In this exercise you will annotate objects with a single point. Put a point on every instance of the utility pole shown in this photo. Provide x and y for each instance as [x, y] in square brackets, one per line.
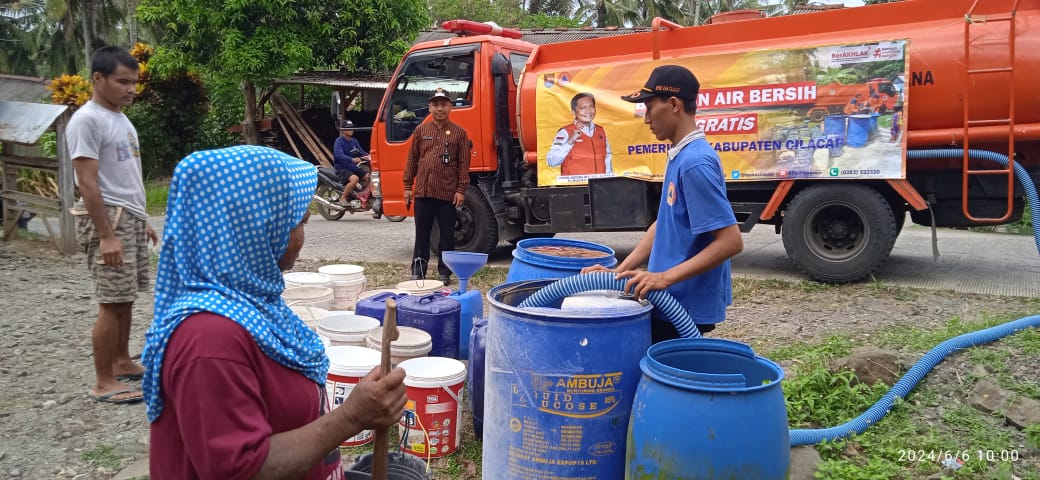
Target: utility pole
[696, 12]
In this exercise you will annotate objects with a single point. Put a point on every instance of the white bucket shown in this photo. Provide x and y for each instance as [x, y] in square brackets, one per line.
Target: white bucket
[306, 279]
[342, 272]
[325, 342]
[310, 315]
[434, 386]
[347, 329]
[345, 293]
[320, 297]
[419, 287]
[410, 343]
[347, 366]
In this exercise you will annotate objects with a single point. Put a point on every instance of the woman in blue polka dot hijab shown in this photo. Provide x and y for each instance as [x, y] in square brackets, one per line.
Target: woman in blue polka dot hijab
[230, 368]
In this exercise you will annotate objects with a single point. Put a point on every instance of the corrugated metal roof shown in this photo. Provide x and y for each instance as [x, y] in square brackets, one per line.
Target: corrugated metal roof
[542, 36]
[22, 122]
[23, 89]
[337, 78]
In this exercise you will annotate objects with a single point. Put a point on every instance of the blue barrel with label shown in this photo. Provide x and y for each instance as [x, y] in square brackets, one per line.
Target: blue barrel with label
[435, 314]
[834, 133]
[559, 386]
[859, 130]
[535, 258]
[708, 408]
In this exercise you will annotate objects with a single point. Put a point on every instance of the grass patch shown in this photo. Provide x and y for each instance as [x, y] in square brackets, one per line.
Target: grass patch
[155, 192]
[103, 456]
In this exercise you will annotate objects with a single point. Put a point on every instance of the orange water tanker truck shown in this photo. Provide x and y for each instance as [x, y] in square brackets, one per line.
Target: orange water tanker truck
[837, 187]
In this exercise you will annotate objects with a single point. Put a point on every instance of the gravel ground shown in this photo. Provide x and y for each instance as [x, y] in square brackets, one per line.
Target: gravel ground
[50, 428]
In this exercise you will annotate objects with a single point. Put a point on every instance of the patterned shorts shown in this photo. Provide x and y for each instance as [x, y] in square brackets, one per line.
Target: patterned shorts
[117, 284]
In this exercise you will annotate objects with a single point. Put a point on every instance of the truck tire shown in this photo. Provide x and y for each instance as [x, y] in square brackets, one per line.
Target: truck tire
[324, 191]
[839, 233]
[476, 229]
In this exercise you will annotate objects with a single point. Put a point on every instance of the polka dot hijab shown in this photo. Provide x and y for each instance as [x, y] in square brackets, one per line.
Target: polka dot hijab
[229, 214]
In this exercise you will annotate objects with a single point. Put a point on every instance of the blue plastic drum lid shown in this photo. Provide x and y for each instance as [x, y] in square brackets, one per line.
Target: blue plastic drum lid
[859, 130]
[690, 417]
[532, 265]
[559, 386]
[435, 314]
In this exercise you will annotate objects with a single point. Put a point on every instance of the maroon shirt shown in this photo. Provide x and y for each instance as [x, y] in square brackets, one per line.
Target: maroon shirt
[222, 400]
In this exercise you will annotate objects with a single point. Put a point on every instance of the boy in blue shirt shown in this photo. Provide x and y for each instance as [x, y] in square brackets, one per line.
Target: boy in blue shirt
[347, 154]
[696, 233]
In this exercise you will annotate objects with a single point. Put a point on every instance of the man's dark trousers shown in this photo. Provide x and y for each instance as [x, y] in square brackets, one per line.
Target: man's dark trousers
[427, 211]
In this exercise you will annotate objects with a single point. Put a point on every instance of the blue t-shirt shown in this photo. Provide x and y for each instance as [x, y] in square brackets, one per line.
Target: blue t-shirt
[693, 204]
[341, 156]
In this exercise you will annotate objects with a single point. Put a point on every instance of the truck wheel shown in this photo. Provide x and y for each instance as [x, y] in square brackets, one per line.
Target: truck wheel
[476, 229]
[324, 191]
[817, 114]
[839, 233]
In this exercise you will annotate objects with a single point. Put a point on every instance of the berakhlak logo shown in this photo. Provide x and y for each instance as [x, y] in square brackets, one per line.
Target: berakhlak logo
[735, 174]
[549, 79]
[834, 171]
[565, 78]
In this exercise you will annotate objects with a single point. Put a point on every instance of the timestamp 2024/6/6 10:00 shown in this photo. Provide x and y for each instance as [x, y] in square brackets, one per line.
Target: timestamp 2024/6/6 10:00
[964, 455]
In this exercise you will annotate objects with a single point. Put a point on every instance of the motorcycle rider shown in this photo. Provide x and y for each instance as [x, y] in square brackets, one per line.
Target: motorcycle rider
[347, 155]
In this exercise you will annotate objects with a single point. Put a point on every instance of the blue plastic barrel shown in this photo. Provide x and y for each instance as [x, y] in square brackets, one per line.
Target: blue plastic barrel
[532, 265]
[708, 408]
[475, 375]
[859, 130]
[559, 387]
[834, 133]
[472, 308]
[435, 314]
[375, 306]
[873, 125]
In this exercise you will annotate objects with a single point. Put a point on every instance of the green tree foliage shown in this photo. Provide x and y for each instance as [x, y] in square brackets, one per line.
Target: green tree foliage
[252, 41]
[506, 14]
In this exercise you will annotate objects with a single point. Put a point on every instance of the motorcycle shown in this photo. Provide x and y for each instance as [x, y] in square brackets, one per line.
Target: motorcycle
[330, 188]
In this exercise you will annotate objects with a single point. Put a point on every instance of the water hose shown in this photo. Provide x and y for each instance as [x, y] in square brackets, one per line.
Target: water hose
[671, 309]
[1021, 174]
[909, 381]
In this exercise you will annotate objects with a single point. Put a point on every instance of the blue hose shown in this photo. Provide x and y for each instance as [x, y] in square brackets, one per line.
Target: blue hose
[672, 310]
[1021, 174]
[907, 383]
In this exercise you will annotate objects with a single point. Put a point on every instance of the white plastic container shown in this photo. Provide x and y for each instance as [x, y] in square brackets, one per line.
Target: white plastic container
[320, 297]
[345, 294]
[310, 315]
[342, 272]
[434, 385]
[346, 329]
[419, 287]
[410, 343]
[306, 279]
[347, 366]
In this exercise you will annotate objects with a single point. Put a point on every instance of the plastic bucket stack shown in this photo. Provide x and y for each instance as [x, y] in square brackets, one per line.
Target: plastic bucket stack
[306, 279]
[411, 343]
[432, 427]
[310, 315]
[708, 408]
[535, 258]
[320, 297]
[347, 366]
[346, 329]
[420, 287]
[348, 281]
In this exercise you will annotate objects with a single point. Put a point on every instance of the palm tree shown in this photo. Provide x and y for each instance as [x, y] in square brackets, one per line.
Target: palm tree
[16, 36]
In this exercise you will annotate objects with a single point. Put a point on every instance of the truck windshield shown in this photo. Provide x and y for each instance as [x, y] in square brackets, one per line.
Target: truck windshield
[422, 73]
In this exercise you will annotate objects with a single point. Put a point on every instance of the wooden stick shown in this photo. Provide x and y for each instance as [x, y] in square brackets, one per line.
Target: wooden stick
[380, 452]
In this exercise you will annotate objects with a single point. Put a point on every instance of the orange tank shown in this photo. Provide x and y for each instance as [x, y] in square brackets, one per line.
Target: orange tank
[935, 30]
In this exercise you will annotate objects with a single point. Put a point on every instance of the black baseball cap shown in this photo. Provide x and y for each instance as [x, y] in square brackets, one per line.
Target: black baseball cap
[440, 93]
[667, 81]
[345, 124]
